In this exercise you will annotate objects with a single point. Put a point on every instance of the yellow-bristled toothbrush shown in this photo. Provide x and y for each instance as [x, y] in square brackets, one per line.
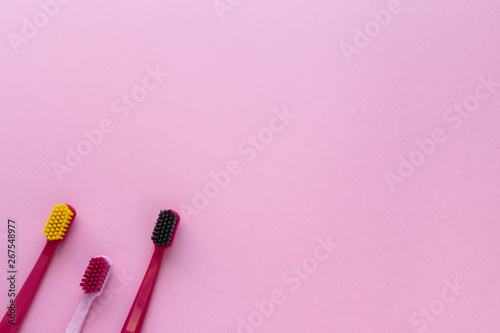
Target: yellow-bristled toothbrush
[56, 229]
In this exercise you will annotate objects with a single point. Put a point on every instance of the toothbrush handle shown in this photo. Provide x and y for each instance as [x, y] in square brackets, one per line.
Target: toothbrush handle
[28, 290]
[76, 324]
[137, 313]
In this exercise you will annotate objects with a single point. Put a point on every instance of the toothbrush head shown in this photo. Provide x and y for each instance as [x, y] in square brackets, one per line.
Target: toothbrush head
[165, 228]
[96, 275]
[59, 222]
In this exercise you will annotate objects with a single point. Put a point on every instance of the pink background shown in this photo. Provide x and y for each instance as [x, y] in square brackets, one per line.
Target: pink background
[324, 175]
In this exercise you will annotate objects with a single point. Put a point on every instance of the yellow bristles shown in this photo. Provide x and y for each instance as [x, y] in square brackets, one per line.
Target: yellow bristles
[58, 222]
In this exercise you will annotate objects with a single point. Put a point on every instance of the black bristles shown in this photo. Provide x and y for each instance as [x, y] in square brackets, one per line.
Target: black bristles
[165, 227]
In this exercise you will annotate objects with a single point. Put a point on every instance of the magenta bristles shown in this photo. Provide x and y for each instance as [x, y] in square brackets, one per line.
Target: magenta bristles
[95, 275]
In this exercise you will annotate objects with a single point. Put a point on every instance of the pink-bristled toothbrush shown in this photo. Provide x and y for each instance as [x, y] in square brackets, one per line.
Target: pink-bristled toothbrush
[56, 229]
[163, 237]
[93, 282]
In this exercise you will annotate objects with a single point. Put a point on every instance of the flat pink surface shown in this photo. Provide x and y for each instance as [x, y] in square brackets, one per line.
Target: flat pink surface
[403, 237]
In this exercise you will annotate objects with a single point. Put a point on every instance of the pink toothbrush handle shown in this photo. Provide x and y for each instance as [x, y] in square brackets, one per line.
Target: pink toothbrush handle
[28, 290]
[137, 313]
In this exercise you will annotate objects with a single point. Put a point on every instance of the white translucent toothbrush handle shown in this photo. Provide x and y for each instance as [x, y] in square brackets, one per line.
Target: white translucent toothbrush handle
[76, 324]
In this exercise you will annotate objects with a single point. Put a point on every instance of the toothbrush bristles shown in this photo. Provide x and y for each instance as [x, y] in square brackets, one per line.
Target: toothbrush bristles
[95, 275]
[58, 222]
[165, 228]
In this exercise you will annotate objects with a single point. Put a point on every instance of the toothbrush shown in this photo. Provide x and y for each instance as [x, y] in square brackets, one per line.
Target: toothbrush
[56, 229]
[94, 279]
[163, 236]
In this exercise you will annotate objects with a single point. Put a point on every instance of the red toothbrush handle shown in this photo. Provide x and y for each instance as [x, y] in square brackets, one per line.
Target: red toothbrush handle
[137, 313]
[28, 290]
